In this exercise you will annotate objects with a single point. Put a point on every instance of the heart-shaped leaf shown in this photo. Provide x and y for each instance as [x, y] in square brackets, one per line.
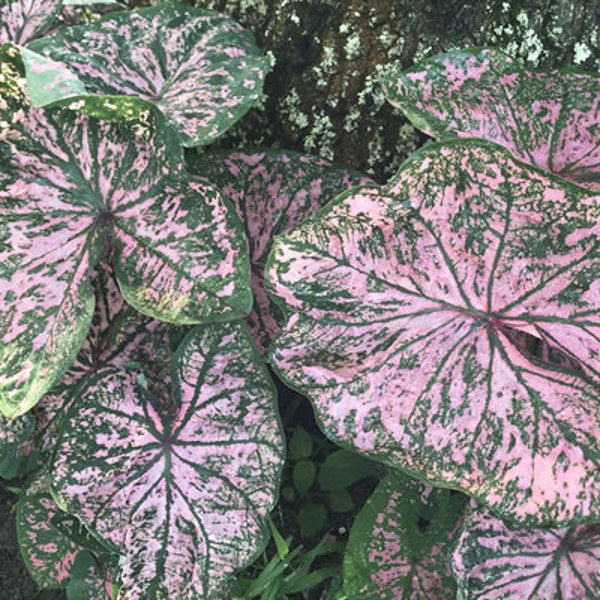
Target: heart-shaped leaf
[496, 560]
[400, 541]
[182, 498]
[408, 308]
[548, 119]
[272, 191]
[200, 68]
[73, 189]
[22, 20]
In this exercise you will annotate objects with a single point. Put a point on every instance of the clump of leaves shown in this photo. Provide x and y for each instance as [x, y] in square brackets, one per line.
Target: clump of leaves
[446, 324]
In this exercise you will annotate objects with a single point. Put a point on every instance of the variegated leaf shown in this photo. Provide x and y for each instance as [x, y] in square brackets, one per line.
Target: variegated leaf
[400, 541]
[73, 189]
[548, 119]
[272, 192]
[498, 561]
[48, 554]
[200, 68]
[407, 309]
[183, 498]
[22, 20]
[119, 337]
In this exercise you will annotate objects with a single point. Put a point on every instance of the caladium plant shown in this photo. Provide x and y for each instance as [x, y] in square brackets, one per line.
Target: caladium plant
[549, 119]
[446, 323]
[66, 203]
[178, 484]
[407, 309]
[400, 542]
[199, 68]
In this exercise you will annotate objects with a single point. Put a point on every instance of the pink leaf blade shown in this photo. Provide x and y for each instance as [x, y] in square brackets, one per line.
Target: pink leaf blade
[23, 20]
[184, 501]
[422, 338]
[272, 192]
[496, 560]
[546, 119]
[181, 257]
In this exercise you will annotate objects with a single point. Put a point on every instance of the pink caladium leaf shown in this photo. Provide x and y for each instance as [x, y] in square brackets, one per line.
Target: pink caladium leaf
[200, 68]
[48, 554]
[548, 119]
[410, 315]
[73, 190]
[22, 20]
[119, 337]
[272, 192]
[400, 541]
[182, 495]
[495, 560]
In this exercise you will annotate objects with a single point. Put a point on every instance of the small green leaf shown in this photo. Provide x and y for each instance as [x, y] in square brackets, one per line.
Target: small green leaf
[343, 468]
[311, 518]
[340, 501]
[90, 579]
[288, 493]
[304, 475]
[301, 444]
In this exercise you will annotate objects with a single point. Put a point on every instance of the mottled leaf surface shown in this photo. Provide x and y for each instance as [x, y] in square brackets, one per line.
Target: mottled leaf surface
[22, 20]
[399, 543]
[48, 80]
[73, 189]
[548, 119]
[497, 561]
[48, 553]
[407, 309]
[182, 497]
[200, 68]
[272, 192]
[119, 337]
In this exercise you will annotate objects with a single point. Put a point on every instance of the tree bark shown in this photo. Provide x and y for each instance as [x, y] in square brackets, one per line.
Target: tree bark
[323, 95]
